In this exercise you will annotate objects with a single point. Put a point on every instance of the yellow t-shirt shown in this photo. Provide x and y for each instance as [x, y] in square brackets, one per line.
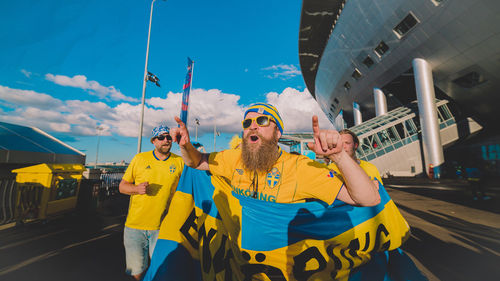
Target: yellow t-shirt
[292, 179]
[369, 169]
[146, 210]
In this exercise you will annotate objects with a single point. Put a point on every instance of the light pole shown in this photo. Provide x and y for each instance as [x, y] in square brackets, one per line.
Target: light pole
[145, 79]
[197, 123]
[98, 128]
[215, 126]
[215, 134]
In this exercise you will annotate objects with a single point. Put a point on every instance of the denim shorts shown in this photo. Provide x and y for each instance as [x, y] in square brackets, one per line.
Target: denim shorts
[139, 245]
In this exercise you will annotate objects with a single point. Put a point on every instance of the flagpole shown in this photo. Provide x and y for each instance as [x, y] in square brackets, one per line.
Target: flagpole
[139, 142]
[190, 86]
[192, 75]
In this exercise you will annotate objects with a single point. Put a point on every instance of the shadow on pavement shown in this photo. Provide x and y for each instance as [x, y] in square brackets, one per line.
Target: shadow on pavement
[467, 251]
[76, 246]
[452, 192]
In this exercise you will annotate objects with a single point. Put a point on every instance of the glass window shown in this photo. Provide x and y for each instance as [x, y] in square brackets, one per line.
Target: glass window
[374, 142]
[405, 25]
[443, 109]
[356, 74]
[393, 135]
[410, 127]
[416, 122]
[381, 48]
[368, 61]
[365, 146]
[384, 138]
[440, 118]
[400, 130]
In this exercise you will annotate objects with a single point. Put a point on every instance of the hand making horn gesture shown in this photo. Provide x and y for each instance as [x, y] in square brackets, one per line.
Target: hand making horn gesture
[326, 142]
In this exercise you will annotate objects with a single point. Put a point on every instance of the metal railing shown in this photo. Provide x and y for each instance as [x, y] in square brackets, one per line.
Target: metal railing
[109, 185]
[7, 199]
[17, 204]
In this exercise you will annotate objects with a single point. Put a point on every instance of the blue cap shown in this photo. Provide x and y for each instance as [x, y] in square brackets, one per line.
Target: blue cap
[160, 130]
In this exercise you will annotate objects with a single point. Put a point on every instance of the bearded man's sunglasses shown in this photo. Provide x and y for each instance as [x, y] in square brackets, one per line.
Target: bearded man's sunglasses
[162, 137]
[262, 121]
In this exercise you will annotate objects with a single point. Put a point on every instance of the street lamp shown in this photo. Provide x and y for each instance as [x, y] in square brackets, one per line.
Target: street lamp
[144, 80]
[216, 133]
[98, 128]
[215, 126]
[197, 123]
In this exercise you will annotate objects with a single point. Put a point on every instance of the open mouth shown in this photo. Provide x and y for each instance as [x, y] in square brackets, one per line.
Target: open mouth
[254, 138]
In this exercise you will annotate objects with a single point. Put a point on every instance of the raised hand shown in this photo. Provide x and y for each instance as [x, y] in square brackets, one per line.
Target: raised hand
[326, 142]
[180, 135]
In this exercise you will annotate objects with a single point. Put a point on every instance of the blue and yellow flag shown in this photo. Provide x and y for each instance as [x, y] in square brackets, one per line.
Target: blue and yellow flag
[211, 233]
[186, 88]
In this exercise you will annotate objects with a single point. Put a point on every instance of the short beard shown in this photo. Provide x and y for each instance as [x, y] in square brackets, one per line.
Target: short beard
[262, 158]
[163, 150]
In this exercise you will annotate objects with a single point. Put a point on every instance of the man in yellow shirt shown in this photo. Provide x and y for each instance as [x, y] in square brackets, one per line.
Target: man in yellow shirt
[350, 143]
[150, 180]
[261, 170]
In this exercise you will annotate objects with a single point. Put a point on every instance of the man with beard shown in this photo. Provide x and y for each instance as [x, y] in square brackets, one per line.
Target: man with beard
[150, 180]
[350, 143]
[260, 169]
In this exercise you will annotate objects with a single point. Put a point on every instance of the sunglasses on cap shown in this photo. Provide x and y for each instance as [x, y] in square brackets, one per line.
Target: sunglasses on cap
[162, 137]
[262, 121]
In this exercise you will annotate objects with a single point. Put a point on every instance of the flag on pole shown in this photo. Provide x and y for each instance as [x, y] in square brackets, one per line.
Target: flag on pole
[187, 89]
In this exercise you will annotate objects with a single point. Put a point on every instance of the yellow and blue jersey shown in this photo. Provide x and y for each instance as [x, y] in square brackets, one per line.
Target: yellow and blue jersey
[370, 169]
[212, 233]
[146, 210]
[292, 179]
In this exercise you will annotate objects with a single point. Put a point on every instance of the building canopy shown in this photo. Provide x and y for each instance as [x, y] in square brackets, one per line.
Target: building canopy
[30, 145]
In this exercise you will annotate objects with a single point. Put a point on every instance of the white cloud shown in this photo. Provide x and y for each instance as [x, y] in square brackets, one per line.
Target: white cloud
[18, 97]
[282, 71]
[98, 110]
[296, 109]
[93, 87]
[26, 73]
[211, 107]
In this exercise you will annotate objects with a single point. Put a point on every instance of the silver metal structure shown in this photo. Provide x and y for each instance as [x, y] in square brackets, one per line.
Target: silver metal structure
[433, 150]
[380, 102]
[358, 118]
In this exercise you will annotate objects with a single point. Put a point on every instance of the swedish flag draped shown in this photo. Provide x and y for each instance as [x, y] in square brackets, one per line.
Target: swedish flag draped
[212, 234]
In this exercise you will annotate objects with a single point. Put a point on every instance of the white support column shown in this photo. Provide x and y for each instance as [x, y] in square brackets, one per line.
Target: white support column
[356, 110]
[380, 102]
[431, 137]
[339, 121]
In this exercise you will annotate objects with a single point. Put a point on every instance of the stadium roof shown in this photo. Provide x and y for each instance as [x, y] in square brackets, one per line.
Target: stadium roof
[30, 145]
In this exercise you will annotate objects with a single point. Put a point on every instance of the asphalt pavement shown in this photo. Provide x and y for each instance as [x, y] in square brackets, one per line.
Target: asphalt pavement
[453, 237]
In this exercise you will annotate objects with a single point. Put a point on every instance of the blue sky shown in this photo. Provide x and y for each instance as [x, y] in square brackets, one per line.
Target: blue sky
[70, 66]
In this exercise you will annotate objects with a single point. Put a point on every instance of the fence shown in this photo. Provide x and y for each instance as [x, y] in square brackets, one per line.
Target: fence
[17, 204]
[109, 185]
[7, 199]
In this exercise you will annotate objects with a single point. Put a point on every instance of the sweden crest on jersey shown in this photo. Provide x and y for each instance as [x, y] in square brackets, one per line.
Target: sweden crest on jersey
[273, 178]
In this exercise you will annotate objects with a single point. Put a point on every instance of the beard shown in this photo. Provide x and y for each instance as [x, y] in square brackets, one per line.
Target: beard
[163, 149]
[260, 158]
